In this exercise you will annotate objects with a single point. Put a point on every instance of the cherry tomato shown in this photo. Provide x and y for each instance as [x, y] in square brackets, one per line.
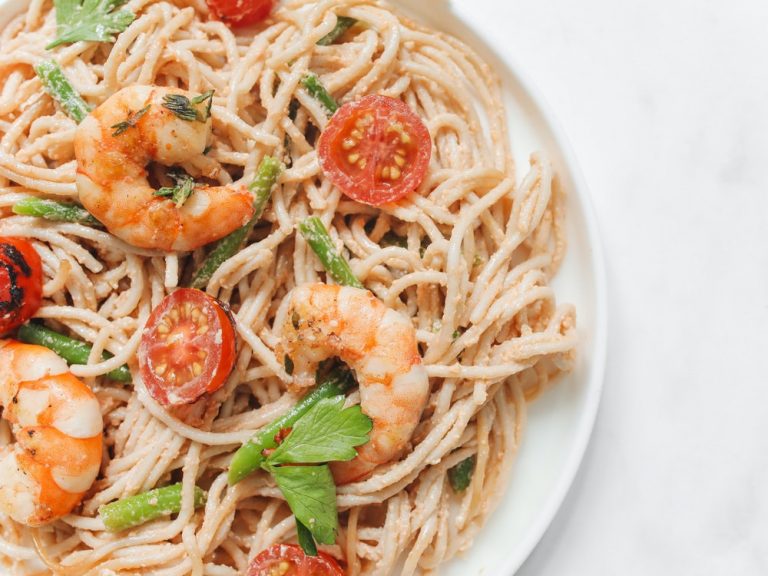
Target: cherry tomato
[376, 150]
[290, 560]
[188, 347]
[21, 282]
[236, 13]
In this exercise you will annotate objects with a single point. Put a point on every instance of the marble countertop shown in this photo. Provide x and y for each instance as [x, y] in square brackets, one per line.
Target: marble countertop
[666, 106]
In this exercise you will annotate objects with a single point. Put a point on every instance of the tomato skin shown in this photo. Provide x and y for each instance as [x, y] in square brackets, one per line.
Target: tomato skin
[375, 150]
[299, 564]
[21, 282]
[235, 13]
[188, 347]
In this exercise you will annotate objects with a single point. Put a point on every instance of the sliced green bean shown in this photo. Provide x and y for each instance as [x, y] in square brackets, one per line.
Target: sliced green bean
[266, 176]
[319, 93]
[320, 241]
[145, 507]
[73, 351]
[57, 85]
[343, 23]
[460, 475]
[250, 455]
[55, 210]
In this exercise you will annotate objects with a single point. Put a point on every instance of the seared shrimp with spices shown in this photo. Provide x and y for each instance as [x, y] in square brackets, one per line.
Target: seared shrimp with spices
[114, 144]
[58, 428]
[379, 344]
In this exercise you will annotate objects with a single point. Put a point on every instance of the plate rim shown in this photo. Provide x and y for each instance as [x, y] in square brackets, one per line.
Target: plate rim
[596, 381]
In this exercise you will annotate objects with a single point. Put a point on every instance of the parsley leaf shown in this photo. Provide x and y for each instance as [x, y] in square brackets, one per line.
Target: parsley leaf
[187, 109]
[304, 536]
[311, 495]
[179, 193]
[327, 433]
[93, 20]
[129, 122]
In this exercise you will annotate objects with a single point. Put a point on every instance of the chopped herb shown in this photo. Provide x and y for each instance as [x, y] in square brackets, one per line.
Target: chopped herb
[90, 20]
[183, 188]
[207, 149]
[202, 98]
[187, 109]
[460, 475]
[58, 86]
[129, 122]
[458, 332]
[392, 239]
[343, 23]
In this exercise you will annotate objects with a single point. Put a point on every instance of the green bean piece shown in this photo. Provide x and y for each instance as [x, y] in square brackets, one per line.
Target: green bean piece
[145, 507]
[57, 85]
[320, 241]
[460, 475]
[55, 210]
[343, 23]
[266, 176]
[250, 455]
[318, 92]
[73, 351]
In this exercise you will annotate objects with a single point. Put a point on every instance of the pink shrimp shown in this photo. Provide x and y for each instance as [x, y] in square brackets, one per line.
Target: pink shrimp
[113, 146]
[58, 427]
[379, 344]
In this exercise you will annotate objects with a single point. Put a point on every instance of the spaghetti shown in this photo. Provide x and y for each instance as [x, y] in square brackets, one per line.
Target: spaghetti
[468, 258]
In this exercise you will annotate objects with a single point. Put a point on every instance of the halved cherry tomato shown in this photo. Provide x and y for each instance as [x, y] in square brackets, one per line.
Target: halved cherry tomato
[376, 150]
[290, 560]
[236, 13]
[21, 282]
[188, 347]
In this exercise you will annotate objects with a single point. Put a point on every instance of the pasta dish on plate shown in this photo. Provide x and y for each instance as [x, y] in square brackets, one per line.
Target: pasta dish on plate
[273, 294]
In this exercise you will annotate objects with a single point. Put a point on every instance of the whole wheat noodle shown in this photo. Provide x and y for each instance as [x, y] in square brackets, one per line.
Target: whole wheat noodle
[474, 277]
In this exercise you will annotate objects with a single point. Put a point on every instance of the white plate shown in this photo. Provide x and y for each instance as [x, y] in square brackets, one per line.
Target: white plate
[560, 422]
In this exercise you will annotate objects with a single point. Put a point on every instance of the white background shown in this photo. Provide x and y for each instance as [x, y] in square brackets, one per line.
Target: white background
[666, 106]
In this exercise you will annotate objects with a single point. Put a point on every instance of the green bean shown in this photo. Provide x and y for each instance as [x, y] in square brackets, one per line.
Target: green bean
[343, 23]
[320, 241]
[266, 176]
[250, 455]
[144, 507]
[54, 210]
[73, 351]
[318, 92]
[461, 475]
[56, 84]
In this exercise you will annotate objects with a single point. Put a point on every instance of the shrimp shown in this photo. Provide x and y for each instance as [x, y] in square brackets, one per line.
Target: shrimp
[379, 344]
[58, 427]
[113, 146]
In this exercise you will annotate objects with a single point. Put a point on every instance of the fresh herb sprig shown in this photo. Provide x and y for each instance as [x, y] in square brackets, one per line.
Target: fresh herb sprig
[92, 20]
[187, 109]
[327, 432]
[181, 190]
[129, 122]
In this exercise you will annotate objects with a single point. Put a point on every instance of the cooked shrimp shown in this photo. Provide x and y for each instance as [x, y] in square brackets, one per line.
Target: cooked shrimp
[112, 175]
[58, 428]
[379, 344]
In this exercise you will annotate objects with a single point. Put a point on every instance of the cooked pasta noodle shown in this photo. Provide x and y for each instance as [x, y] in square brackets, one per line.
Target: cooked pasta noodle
[482, 247]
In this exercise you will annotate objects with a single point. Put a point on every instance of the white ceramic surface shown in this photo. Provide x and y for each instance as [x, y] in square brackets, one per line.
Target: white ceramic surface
[560, 423]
